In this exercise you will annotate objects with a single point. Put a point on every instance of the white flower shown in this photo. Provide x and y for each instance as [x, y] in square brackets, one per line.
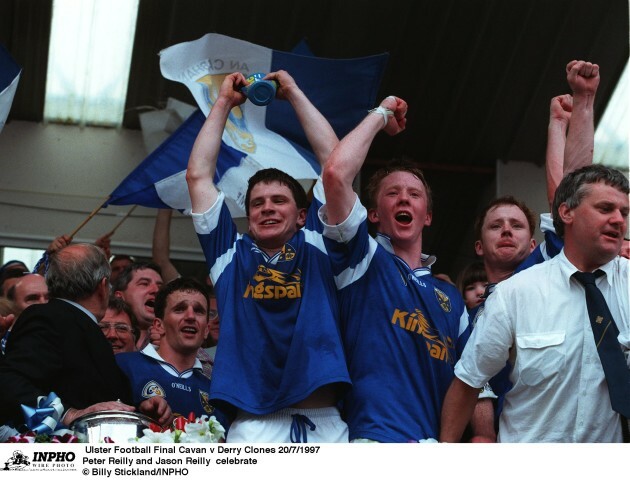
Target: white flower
[204, 430]
[153, 437]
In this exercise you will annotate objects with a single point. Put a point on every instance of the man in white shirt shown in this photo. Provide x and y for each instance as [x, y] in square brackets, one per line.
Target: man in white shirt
[539, 320]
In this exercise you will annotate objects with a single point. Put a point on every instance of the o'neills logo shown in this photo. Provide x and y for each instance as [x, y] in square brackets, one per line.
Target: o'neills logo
[272, 284]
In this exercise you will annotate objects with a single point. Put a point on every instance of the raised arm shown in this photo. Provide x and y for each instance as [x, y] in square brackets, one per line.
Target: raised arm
[348, 156]
[203, 157]
[583, 78]
[57, 244]
[318, 130]
[568, 152]
[559, 117]
[161, 247]
[105, 243]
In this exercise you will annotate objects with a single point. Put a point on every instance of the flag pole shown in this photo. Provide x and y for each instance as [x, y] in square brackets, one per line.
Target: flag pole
[111, 233]
[87, 219]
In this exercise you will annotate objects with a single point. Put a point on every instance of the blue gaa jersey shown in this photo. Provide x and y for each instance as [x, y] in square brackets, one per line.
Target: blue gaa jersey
[403, 331]
[547, 249]
[280, 338]
[185, 392]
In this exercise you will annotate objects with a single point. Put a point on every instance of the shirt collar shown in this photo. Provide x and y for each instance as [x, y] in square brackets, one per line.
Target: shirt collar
[79, 306]
[151, 352]
[608, 269]
[569, 269]
[385, 242]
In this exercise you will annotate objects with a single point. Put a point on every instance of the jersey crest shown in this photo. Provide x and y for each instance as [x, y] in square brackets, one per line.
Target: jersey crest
[443, 300]
[204, 398]
[287, 253]
[151, 389]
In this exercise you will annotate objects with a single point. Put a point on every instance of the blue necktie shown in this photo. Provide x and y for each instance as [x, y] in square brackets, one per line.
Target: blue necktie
[605, 333]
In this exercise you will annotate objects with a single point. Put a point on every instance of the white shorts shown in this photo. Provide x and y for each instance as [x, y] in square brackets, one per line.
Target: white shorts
[371, 441]
[322, 425]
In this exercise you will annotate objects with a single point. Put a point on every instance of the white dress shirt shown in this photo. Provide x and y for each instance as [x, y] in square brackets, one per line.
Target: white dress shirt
[539, 320]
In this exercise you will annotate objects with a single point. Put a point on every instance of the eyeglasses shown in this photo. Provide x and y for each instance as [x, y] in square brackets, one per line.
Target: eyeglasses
[119, 328]
[213, 314]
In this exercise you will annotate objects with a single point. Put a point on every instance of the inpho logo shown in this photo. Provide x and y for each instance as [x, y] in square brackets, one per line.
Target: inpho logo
[59, 457]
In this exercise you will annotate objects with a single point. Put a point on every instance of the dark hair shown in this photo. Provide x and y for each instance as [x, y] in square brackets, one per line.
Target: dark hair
[188, 284]
[123, 280]
[118, 305]
[377, 177]
[473, 272]
[268, 176]
[505, 200]
[76, 271]
[10, 274]
[12, 266]
[575, 185]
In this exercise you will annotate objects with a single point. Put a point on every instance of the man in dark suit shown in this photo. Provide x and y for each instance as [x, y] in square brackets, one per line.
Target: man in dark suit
[58, 347]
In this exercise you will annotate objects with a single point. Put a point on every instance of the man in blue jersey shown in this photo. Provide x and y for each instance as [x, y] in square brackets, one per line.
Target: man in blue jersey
[173, 371]
[403, 328]
[280, 363]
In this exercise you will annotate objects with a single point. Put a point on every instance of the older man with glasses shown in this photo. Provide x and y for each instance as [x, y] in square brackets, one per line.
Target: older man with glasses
[120, 326]
[210, 344]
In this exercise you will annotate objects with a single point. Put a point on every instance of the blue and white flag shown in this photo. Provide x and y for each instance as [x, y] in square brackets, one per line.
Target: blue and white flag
[9, 77]
[255, 137]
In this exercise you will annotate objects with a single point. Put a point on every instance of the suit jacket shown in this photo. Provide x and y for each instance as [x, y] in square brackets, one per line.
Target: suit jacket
[57, 347]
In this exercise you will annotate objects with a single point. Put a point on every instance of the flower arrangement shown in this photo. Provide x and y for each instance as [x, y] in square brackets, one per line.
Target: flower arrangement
[184, 430]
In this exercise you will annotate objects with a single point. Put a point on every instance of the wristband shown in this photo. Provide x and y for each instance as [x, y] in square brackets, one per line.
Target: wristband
[385, 112]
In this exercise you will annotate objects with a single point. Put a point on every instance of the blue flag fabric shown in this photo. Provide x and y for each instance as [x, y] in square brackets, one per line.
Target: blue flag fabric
[255, 137]
[9, 77]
